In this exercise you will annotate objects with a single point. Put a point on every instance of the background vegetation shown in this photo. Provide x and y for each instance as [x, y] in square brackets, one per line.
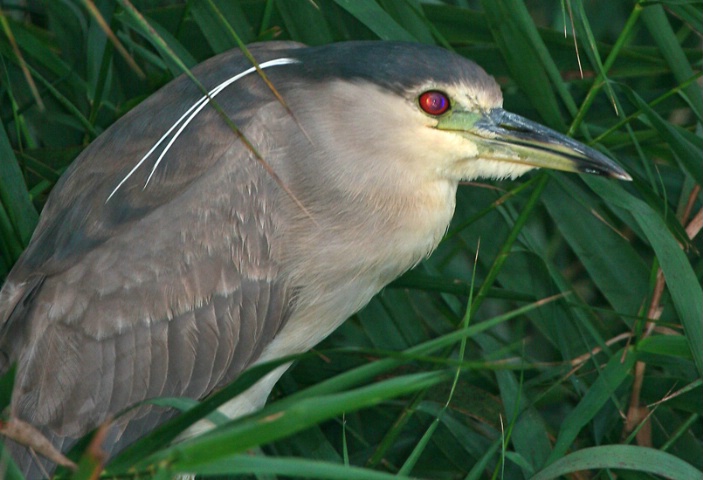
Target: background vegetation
[558, 329]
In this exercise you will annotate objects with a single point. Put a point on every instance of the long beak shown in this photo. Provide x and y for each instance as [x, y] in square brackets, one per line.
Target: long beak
[504, 136]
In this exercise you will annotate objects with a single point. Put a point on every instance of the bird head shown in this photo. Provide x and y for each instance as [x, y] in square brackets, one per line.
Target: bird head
[390, 109]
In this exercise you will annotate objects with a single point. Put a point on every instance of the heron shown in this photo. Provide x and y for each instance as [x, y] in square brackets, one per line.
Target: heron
[223, 223]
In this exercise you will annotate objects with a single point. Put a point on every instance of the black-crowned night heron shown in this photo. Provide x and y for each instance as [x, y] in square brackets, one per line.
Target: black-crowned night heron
[173, 255]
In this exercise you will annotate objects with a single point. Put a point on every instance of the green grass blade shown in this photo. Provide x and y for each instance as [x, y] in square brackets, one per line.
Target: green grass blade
[369, 13]
[610, 259]
[517, 38]
[305, 21]
[221, 22]
[686, 151]
[275, 422]
[684, 286]
[610, 378]
[292, 467]
[657, 23]
[14, 195]
[621, 457]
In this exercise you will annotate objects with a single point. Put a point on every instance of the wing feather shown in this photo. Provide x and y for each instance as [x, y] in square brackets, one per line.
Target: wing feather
[124, 368]
[207, 344]
[158, 367]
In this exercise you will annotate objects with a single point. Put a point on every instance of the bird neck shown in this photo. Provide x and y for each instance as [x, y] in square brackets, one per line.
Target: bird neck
[338, 262]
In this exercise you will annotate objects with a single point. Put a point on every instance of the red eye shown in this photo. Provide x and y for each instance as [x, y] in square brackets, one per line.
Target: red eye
[434, 102]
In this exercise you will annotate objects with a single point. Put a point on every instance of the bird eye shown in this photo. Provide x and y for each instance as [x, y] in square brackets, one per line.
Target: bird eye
[434, 102]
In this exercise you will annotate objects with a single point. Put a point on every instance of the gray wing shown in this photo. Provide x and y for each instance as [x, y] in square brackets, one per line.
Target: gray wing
[163, 290]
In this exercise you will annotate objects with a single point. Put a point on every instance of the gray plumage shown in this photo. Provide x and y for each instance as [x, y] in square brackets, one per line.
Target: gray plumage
[137, 286]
